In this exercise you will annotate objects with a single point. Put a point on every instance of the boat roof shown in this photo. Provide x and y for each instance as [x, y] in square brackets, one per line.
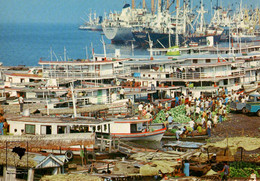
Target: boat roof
[162, 59]
[61, 120]
[87, 62]
[130, 120]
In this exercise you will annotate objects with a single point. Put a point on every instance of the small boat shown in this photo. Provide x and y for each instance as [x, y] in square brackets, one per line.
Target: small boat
[135, 129]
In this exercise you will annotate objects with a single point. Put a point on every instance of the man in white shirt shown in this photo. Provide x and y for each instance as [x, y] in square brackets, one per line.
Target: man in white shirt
[197, 111]
[179, 132]
[209, 128]
[187, 110]
[192, 124]
[21, 101]
[140, 109]
[215, 119]
[243, 100]
[197, 102]
[202, 122]
[122, 93]
[206, 104]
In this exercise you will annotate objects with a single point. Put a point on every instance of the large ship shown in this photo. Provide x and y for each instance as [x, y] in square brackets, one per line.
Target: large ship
[93, 24]
[202, 32]
[179, 29]
[118, 27]
[164, 29]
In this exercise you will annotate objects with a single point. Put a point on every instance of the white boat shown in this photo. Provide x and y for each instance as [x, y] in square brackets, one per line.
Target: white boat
[136, 129]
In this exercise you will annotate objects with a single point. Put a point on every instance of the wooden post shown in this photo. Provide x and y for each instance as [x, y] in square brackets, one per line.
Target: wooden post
[101, 144]
[110, 146]
[118, 144]
[114, 143]
[241, 154]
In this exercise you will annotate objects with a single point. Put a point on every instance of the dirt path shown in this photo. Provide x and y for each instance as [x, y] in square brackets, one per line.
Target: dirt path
[238, 124]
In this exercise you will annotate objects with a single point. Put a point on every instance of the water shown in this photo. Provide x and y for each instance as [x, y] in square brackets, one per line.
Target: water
[25, 44]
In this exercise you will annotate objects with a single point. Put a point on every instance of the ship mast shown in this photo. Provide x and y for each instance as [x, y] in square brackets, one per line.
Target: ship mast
[144, 4]
[159, 6]
[152, 6]
[133, 4]
[168, 5]
[177, 22]
[201, 12]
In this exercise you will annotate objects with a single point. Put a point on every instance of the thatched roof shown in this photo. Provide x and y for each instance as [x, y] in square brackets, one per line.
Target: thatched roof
[69, 177]
[14, 160]
[233, 143]
[154, 167]
[38, 142]
[92, 108]
[15, 109]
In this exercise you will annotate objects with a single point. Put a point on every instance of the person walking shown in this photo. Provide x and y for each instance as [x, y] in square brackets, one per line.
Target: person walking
[21, 102]
[226, 171]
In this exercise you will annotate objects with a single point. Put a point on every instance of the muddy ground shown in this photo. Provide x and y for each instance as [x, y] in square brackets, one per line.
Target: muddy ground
[238, 124]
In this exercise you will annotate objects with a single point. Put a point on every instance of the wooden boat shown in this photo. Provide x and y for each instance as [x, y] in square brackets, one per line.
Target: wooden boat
[135, 129]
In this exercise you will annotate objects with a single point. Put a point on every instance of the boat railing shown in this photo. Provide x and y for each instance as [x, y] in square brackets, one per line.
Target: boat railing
[57, 74]
[204, 75]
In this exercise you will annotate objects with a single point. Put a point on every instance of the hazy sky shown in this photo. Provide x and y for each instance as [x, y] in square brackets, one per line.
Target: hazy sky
[68, 11]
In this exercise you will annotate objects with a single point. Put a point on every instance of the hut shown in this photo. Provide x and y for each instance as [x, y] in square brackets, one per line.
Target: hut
[13, 167]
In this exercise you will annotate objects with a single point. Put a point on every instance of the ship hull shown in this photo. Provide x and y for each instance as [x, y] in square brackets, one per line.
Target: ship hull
[118, 34]
[245, 38]
[142, 39]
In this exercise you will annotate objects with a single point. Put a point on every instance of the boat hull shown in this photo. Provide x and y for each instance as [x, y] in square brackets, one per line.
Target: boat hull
[146, 136]
[118, 34]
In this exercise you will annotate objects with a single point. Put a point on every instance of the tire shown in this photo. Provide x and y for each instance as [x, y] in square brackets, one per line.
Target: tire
[258, 113]
[90, 156]
[244, 110]
[69, 154]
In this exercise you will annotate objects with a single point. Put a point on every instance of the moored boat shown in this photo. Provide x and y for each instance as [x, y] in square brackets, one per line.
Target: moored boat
[127, 129]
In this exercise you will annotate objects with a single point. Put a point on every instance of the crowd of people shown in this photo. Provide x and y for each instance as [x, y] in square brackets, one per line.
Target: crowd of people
[205, 112]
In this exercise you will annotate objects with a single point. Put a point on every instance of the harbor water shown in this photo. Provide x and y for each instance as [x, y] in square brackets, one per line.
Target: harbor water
[26, 44]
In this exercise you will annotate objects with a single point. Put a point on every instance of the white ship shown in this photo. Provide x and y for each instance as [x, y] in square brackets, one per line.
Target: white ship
[93, 24]
[118, 27]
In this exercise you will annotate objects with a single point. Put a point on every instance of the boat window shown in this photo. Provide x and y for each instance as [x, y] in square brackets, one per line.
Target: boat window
[29, 129]
[98, 128]
[105, 127]
[45, 130]
[207, 60]
[133, 128]
[62, 129]
[195, 60]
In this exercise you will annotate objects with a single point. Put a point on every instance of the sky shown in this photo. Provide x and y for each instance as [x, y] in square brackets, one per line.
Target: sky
[69, 11]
